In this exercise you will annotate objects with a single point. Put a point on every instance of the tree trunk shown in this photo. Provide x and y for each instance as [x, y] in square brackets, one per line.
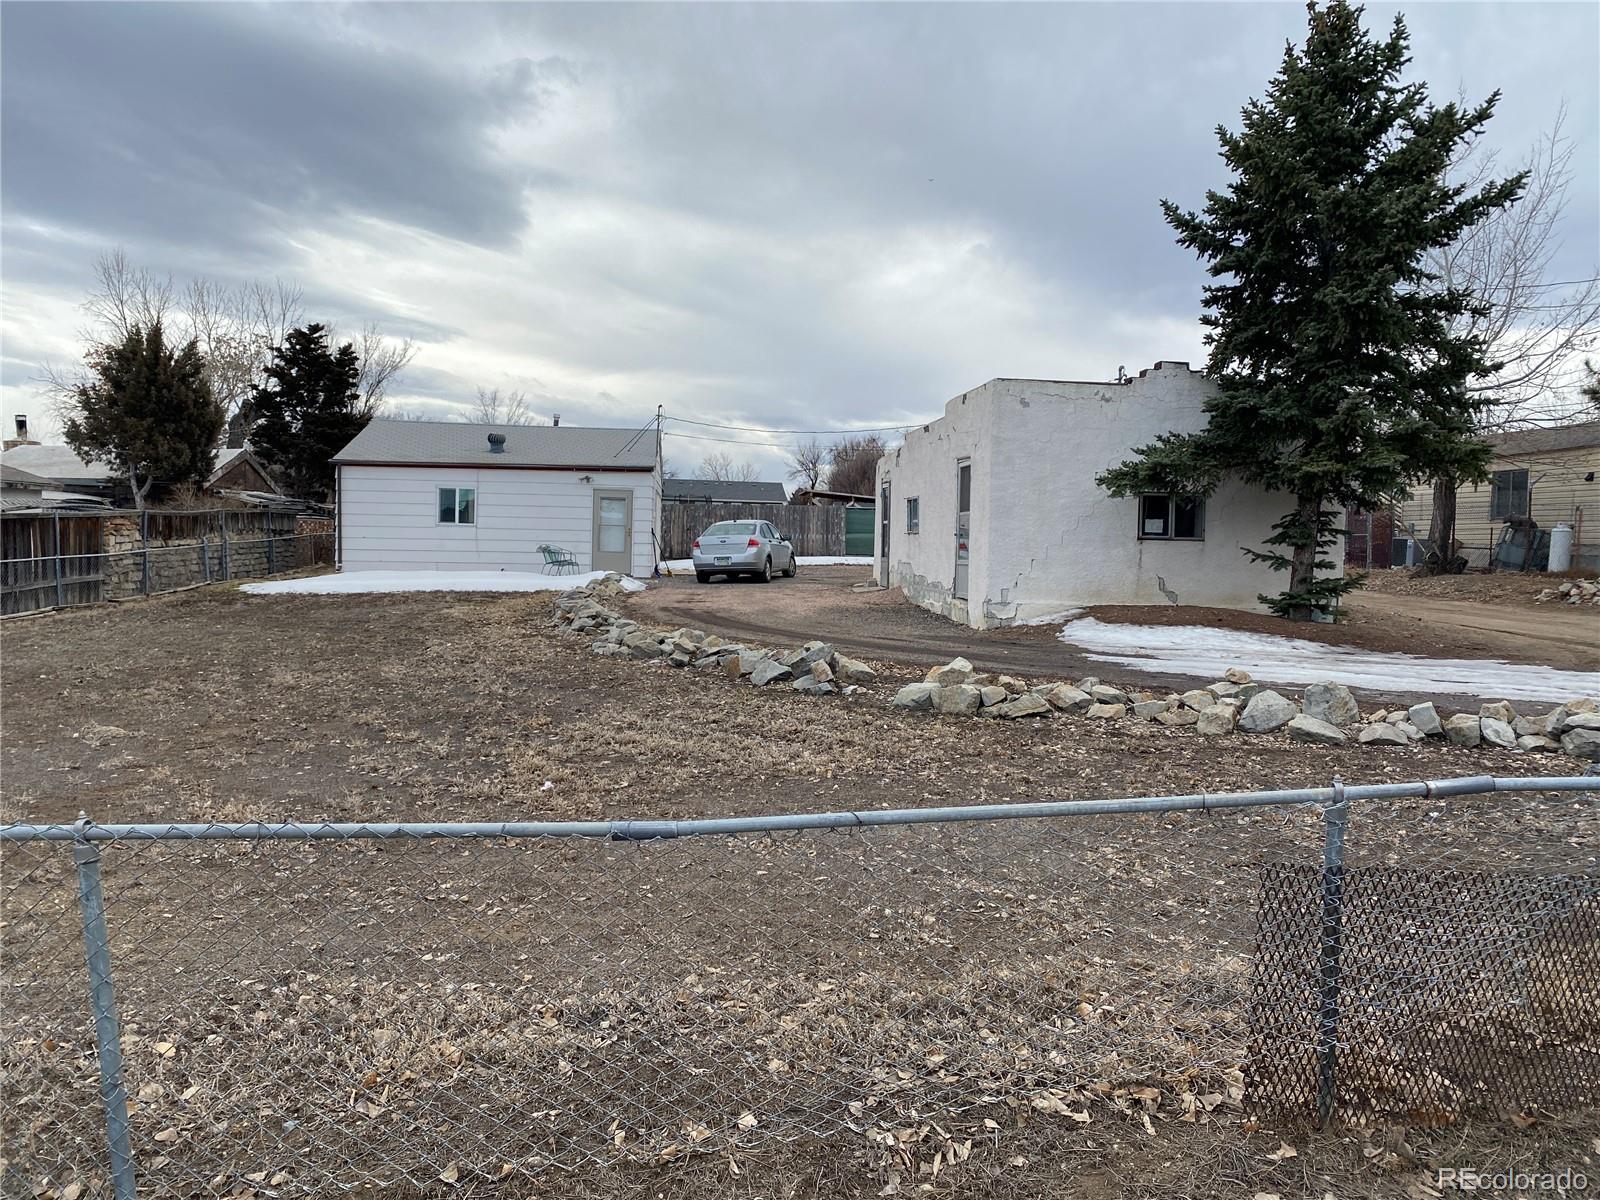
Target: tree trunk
[1302, 563]
[139, 493]
[1442, 528]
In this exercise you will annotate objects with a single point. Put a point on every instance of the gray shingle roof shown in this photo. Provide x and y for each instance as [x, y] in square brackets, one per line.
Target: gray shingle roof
[458, 444]
[1536, 441]
[726, 491]
[56, 462]
[13, 476]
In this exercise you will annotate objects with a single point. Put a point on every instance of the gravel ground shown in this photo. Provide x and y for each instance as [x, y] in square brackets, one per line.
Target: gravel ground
[654, 965]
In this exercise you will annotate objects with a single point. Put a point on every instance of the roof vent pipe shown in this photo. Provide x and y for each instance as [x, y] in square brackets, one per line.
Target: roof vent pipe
[497, 443]
[22, 425]
[555, 419]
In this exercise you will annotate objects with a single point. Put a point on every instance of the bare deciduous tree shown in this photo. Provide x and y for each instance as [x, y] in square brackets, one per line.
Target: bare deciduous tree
[720, 466]
[382, 360]
[1537, 330]
[809, 459]
[853, 464]
[513, 407]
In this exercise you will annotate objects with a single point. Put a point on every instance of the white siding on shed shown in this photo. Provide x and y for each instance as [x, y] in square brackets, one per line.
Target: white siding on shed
[389, 521]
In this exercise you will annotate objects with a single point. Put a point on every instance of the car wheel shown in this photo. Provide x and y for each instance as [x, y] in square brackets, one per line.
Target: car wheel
[766, 572]
[703, 576]
[793, 567]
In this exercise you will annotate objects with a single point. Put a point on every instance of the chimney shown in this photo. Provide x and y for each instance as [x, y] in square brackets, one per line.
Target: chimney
[22, 438]
[497, 443]
[555, 419]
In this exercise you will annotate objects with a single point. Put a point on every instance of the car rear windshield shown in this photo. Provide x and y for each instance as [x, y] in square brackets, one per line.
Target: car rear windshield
[731, 529]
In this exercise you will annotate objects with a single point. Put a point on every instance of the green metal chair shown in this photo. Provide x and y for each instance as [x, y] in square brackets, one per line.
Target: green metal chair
[558, 561]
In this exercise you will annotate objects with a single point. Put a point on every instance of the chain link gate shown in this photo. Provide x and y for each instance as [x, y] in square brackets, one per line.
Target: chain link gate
[308, 1008]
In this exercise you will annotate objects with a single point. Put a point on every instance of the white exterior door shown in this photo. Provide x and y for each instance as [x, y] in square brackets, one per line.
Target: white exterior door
[613, 532]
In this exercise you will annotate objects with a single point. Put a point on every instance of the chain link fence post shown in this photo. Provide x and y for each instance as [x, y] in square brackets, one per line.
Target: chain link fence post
[1335, 821]
[103, 1004]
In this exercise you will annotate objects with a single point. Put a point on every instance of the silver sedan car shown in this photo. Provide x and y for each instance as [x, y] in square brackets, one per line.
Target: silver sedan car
[742, 548]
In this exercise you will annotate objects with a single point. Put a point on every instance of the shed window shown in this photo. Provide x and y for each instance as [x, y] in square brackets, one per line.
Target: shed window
[913, 514]
[1509, 497]
[1175, 518]
[458, 506]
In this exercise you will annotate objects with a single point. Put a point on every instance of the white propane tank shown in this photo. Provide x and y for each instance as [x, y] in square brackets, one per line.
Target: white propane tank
[1560, 547]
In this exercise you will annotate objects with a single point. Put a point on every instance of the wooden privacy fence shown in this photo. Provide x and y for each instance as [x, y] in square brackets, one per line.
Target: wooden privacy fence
[814, 529]
[50, 561]
[57, 560]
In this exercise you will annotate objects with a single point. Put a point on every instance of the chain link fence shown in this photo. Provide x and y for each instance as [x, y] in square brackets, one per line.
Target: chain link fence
[307, 1009]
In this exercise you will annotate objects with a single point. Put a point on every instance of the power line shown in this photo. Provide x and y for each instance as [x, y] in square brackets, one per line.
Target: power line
[808, 432]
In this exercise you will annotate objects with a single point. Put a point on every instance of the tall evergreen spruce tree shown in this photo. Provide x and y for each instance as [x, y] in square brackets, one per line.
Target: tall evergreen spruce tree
[148, 411]
[1339, 380]
[308, 408]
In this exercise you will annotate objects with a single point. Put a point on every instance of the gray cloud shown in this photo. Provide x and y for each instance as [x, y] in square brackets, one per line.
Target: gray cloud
[802, 215]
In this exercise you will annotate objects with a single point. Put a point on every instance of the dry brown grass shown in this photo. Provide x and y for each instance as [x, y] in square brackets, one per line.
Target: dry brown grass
[973, 991]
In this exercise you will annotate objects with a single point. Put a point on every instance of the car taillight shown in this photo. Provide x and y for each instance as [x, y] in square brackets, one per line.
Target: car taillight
[752, 543]
[696, 544]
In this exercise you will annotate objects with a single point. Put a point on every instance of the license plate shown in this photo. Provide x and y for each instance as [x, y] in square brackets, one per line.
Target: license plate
[722, 560]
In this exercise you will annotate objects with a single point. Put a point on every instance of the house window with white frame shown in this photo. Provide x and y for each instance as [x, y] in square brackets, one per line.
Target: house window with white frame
[1166, 517]
[913, 513]
[458, 506]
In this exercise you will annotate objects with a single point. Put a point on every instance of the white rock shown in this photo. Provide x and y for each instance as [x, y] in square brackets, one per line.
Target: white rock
[1306, 728]
[918, 696]
[1582, 743]
[1067, 698]
[1106, 712]
[1217, 720]
[1497, 733]
[957, 670]
[1236, 675]
[1538, 743]
[1177, 717]
[1500, 710]
[1198, 699]
[1426, 718]
[993, 695]
[1267, 711]
[1463, 729]
[1382, 734]
[1151, 708]
[1331, 702]
[958, 700]
[1103, 693]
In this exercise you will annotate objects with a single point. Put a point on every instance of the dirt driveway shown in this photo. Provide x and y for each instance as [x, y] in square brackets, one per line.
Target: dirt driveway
[822, 602]
[1554, 634]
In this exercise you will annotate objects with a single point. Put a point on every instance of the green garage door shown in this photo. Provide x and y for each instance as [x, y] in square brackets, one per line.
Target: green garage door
[858, 531]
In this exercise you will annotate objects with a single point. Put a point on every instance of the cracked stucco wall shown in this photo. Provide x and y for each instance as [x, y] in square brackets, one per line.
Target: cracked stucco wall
[1045, 537]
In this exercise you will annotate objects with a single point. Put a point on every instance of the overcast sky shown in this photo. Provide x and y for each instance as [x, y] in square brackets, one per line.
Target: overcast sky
[811, 216]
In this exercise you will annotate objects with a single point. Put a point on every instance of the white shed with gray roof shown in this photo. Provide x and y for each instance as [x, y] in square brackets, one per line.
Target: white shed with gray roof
[449, 496]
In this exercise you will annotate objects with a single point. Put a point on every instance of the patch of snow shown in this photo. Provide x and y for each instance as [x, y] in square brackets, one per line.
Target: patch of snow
[1207, 653]
[361, 583]
[686, 565]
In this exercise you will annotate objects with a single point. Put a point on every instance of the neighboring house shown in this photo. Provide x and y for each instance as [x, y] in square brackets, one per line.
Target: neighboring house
[70, 473]
[433, 495]
[721, 491]
[22, 489]
[991, 514]
[1548, 475]
[238, 470]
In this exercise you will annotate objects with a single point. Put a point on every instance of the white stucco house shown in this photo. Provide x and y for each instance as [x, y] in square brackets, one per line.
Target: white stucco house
[448, 496]
[990, 515]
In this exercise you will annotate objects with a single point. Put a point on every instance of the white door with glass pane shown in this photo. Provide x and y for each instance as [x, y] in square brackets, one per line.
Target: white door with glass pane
[613, 532]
